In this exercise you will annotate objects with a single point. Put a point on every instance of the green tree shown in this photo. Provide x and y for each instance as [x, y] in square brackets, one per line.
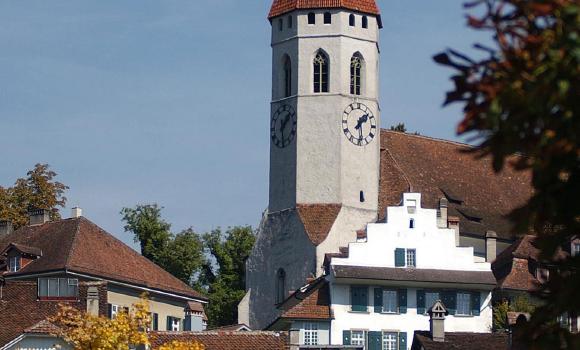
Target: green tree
[226, 279]
[184, 256]
[399, 127]
[523, 98]
[37, 190]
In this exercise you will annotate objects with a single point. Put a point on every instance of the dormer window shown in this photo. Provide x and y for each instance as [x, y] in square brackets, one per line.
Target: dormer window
[14, 263]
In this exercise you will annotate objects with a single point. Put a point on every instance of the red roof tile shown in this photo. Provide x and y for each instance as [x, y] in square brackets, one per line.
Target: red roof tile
[318, 219]
[43, 327]
[280, 7]
[438, 169]
[78, 245]
[226, 340]
[309, 302]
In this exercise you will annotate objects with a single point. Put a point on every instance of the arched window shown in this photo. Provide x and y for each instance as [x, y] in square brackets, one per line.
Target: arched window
[287, 76]
[311, 18]
[320, 72]
[365, 22]
[356, 64]
[327, 18]
[280, 286]
[351, 20]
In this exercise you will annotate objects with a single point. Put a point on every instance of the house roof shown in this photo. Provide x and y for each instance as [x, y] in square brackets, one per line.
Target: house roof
[413, 275]
[78, 245]
[280, 7]
[309, 302]
[42, 327]
[460, 341]
[222, 340]
[443, 169]
[24, 249]
[318, 219]
[233, 328]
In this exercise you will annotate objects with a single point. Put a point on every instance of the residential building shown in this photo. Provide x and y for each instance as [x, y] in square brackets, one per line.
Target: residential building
[378, 292]
[225, 340]
[74, 261]
[333, 171]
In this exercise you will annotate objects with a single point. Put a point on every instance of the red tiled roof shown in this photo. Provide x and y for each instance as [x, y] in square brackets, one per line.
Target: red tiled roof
[309, 302]
[280, 7]
[23, 249]
[232, 328]
[225, 340]
[318, 219]
[42, 327]
[438, 169]
[78, 245]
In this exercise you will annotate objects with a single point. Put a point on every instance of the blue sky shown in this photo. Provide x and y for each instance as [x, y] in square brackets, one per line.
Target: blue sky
[142, 101]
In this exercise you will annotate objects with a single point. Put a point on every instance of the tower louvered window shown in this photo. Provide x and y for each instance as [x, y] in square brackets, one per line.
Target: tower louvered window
[287, 77]
[356, 64]
[320, 73]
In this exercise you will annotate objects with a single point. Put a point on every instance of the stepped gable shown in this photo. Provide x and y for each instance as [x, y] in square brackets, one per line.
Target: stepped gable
[280, 7]
[318, 220]
[437, 169]
[78, 245]
[223, 340]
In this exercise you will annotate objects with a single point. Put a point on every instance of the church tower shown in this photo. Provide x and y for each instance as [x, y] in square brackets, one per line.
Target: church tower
[324, 149]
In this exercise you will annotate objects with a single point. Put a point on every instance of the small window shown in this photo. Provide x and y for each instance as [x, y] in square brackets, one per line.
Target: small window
[113, 310]
[311, 18]
[365, 22]
[430, 299]
[320, 72]
[390, 341]
[411, 258]
[463, 304]
[362, 196]
[287, 77]
[280, 286]
[327, 18]
[359, 298]
[390, 301]
[58, 287]
[412, 223]
[542, 274]
[173, 324]
[290, 21]
[155, 321]
[576, 249]
[280, 24]
[357, 338]
[351, 20]
[14, 264]
[356, 63]
[310, 333]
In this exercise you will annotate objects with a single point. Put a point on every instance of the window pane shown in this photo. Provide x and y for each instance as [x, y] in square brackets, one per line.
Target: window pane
[42, 287]
[390, 301]
[52, 287]
[390, 341]
[72, 290]
[411, 261]
[311, 18]
[357, 338]
[327, 18]
[430, 299]
[463, 304]
[310, 333]
[62, 287]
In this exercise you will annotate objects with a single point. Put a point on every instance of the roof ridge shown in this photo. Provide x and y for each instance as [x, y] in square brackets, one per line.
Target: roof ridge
[431, 138]
[396, 164]
[73, 243]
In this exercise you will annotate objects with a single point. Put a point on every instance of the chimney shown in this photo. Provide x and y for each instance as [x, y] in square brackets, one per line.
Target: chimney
[5, 228]
[437, 315]
[76, 212]
[38, 216]
[490, 246]
[442, 213]
[453, 222]
[93, 301]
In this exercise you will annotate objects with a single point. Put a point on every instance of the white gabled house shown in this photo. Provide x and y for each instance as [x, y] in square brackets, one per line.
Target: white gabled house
[380, 289]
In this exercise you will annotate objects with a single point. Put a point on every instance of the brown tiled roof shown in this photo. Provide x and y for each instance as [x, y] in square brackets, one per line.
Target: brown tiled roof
[318, 219]
[414, 275]
[78, 245]
[438, 169]
[197, 307]
[461, 341]
[42, 327]
[232, 328]
[226, 340]
[23, 249]
[309, 302]
[280, 7]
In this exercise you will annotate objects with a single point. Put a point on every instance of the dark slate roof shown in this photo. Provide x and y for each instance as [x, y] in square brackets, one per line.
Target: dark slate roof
[437, 169]
[225, 340]
[78, 245]
[413, 275]
[461, 341]
[280, 7]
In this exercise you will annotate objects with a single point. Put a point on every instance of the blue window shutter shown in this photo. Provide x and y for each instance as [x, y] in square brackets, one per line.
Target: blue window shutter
[402, 294]
[403, 341]
[155, 322]
[359, 298]
[187, 323]
[420, 302]
[169, 321]
[378, 300]
[399, 257]
[449, 298]
[475, 303]
[375, 341]
[345, 337]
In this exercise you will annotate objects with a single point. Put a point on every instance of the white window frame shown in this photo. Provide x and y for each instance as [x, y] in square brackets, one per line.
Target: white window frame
[14, 263]
[387, 292]
[175, 324]
[70, 282]
[311, 336]
[463, 297]
[358, 340]
[409, 257]
[114, 311]
[387, 342]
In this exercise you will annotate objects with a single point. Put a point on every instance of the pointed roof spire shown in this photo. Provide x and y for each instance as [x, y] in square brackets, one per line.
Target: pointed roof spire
[280, 7]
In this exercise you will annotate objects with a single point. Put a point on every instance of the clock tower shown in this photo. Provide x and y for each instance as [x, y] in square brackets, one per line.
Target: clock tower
[324, 134]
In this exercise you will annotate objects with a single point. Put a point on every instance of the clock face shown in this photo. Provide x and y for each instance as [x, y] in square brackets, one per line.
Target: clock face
[359, 124]
[283, 126]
